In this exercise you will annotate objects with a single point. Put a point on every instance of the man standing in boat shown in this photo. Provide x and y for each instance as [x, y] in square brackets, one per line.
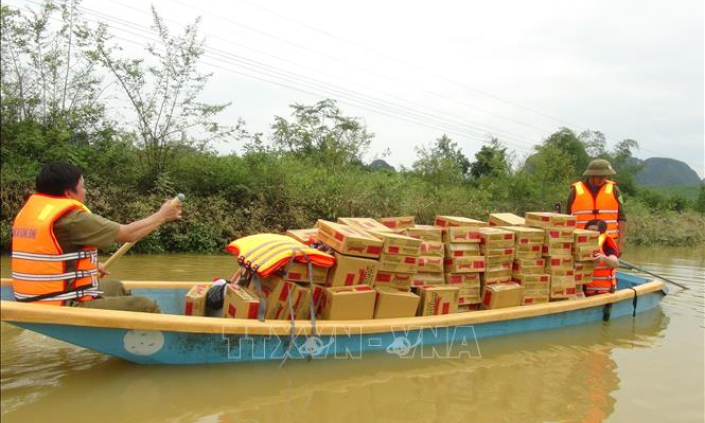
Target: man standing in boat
[55, 241]
[596, 197]
[604, 278]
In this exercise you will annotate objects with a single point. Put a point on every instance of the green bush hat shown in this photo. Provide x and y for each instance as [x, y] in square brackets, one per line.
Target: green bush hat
[599, 167]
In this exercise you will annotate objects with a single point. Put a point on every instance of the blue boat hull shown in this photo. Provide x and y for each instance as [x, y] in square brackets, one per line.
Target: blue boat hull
[172, 347]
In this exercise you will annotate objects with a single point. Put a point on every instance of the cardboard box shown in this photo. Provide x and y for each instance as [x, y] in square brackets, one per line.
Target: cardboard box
[557, 249]
[468, 307]
[469, 296]
[505, 219]
[449, 221]
[533, 282]
[495, 237]
[240, 303]
[364, 224]
[499, 273]
[391, 303]
[425, 232]
[528, 251]
[584, 267]
[278, 307]
[498, 262]
[463, 280]
[437, 300]
[550, 220]
[585, 253]
[524, 235]
[559, 235]
[345, 303]
[195, 300]
[583, 237]
[461, 250]
[502, 296]
[460, 234]
[305, 236]
[276, 293]
[398, 264]
[559, 263]
[297, 271]
[536, 299]
[398, 244]
[433, 249]
[433, 264]
[487, 281]
[529, 266]
[562, 287]
[469, 264]
[349, 240]
[489, 250]
[399, 281]
[423, 279]
[349, 271]
[396, 223]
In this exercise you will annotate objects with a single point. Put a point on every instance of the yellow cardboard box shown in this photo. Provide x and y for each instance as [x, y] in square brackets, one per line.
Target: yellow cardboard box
[487, 281]
[524, 235]
[585, 253]
[495, 237]
[430, 264]
[469, 264]
[364, 223]
[529, 266]
[298, 272]
[505, 219]
[397, 223]
[433, 248]
[345, 303]
[449, 221]
[557, 249]
[391, 303]
[559, 235]
[195, 300]
[559, 263]
[463, 280]
[585, 238]
[400, 281]
[550, 220]
[531, 282]
[398, 244]
[399, 264]
[305, 236]
[423, 279]
[469, 296]
[425, 232]
[528, 251]
[502, 295]
[240, 303]
[349, 271]
[349, 240]
[460, 234]
[437, 300]
[461, 250]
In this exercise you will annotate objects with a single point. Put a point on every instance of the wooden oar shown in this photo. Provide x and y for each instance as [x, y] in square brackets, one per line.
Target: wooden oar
[126, 246]
[630, 266]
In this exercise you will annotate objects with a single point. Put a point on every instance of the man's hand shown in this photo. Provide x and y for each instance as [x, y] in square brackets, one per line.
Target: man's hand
[102, 270]
[170, 210]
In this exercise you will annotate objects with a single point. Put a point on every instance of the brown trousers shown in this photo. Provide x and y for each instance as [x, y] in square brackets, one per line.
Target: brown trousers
[116, 297]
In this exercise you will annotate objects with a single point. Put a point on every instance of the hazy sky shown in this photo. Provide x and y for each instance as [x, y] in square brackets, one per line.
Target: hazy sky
[413, 71]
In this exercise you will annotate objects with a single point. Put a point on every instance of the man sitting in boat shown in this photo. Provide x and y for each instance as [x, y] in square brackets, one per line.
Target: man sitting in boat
[55, 241]
[606, 261]
[596, 197]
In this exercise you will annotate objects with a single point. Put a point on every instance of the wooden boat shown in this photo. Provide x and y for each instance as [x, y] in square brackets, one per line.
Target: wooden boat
[172, 338]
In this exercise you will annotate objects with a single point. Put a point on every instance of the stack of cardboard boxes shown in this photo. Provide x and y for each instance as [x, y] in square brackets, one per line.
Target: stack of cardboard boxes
[398, 262]
[430, 268]
[463, 263]
[498, 247]
[585, 248]
[557, 250]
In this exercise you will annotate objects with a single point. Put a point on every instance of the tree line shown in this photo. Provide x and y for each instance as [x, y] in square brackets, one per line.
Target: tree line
[55, 70]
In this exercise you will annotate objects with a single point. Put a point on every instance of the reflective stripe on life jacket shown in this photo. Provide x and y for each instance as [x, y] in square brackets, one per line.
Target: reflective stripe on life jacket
[266, 253]
[603, 207]
[604, 279]
[40, 271]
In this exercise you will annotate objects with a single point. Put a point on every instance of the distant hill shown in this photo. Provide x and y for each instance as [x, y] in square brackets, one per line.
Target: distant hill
[380, 164]
[663, 172]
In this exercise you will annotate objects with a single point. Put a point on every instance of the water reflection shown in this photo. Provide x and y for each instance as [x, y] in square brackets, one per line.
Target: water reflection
[559, 375]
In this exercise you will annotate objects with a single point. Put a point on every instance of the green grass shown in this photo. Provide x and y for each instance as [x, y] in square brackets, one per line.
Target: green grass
[689, 192]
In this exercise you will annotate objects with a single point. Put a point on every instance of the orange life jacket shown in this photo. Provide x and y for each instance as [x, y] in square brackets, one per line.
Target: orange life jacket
[39, 266]
[605, 206]
[604, 279]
